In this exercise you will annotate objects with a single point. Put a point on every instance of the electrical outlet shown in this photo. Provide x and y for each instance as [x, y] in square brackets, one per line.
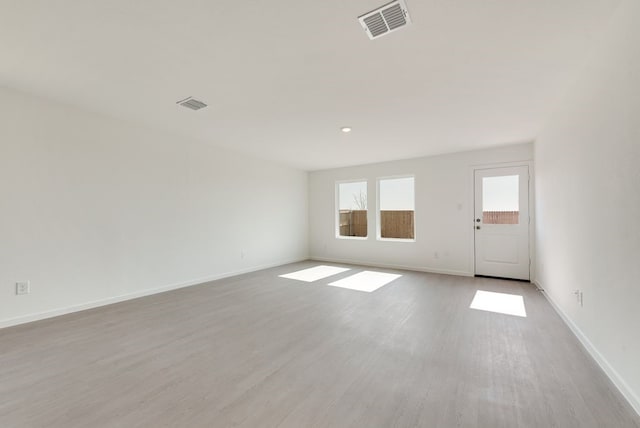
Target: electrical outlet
[23, 287]
[580, 299]
[242, 254]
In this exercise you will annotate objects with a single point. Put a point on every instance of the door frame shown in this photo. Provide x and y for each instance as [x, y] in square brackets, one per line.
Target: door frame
[471, 212]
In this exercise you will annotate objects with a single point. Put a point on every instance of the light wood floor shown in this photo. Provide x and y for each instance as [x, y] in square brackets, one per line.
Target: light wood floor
[261, 351]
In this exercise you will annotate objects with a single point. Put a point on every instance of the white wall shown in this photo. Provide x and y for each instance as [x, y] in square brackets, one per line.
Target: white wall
[588, 203]
[93, 208]
[443, 219]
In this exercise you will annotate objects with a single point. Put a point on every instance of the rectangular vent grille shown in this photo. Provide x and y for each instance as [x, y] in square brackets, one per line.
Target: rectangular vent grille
[192, 103]
[385, 19]
[394, 17]
[376, 25]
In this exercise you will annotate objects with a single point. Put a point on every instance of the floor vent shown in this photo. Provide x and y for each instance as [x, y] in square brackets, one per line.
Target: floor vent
[192, 103]
[386, 19]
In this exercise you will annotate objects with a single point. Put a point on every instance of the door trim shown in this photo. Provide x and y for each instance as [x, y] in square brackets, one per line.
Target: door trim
[471, 213]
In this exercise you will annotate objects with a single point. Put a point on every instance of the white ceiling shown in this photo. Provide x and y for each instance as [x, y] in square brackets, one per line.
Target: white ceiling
[282, 77]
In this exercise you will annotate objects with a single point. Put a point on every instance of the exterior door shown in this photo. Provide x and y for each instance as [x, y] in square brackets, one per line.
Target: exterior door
[501, 222]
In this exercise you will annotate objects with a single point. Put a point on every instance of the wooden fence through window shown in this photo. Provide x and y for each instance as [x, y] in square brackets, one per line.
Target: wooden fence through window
[501, 217]
[397, 224]
[393, 224]
[353, 223]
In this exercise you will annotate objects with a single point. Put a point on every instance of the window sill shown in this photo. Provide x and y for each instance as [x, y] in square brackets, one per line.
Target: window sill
[353, 238]
[396, 240]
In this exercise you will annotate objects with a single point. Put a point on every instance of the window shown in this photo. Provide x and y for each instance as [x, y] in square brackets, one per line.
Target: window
[500, 200]
[352, 209]
[396, 219]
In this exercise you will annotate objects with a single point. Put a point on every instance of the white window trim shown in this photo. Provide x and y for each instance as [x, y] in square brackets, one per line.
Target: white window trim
[336, 210]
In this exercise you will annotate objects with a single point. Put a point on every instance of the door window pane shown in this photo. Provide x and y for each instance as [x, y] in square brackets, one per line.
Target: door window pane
[397, 208]
[352, 209]
[501, 200]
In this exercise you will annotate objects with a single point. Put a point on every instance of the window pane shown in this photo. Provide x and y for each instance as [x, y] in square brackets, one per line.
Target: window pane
[500, 200]
[352, 199]
[397, 208]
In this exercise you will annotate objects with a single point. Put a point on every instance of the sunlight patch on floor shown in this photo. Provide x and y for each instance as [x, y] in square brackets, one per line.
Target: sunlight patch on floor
[366, 281]
[315, 273]
[501, 303]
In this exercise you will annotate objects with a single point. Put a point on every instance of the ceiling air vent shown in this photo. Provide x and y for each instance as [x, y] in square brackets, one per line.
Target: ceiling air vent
[386, 19]
[191, 103]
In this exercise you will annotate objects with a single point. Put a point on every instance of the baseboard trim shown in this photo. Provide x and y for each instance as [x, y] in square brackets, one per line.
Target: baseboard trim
[129, 296]
[611, 373]
[391, 266]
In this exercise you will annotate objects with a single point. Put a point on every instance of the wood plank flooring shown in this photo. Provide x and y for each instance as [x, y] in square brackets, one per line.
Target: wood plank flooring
[257, 350]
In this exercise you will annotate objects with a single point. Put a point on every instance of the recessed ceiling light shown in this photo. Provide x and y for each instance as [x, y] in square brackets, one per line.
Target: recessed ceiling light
[345, 129]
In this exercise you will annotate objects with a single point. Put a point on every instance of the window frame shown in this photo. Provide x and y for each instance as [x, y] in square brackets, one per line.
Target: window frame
[336, 209]
[379, 204]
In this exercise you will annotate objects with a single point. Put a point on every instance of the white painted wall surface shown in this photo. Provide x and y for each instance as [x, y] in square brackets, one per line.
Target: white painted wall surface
[588, 203]
[94, 209]
[443, 219]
